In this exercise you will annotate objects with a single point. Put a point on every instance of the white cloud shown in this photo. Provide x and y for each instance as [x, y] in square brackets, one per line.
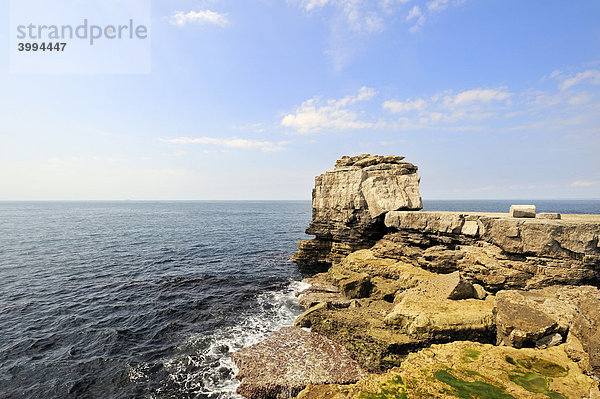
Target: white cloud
[446, 108]
[368, 16]
[584, 183]
[396, 107]
[255, 127]
[415, 14]
[308, 5]
[203, 17]
[315, 115]
[476, 109]
[364, 94]
[591, 75]
[437, 5]
[480, 95]
[579, 99]
[234, 142]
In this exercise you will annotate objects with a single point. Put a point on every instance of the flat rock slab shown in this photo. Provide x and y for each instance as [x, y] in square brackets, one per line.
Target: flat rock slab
[288, 360]
[522, 211]
[548, 215]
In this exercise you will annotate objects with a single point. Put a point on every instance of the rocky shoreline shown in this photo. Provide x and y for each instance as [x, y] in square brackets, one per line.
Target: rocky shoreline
[433, 304]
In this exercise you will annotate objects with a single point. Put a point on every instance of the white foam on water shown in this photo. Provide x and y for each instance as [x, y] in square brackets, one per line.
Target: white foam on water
[210, 372]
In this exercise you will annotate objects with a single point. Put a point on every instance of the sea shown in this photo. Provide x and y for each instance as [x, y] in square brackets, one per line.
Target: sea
[149, 299]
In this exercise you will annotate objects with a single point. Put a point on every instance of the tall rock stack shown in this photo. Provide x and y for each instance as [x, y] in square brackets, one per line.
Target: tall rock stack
[350, 202]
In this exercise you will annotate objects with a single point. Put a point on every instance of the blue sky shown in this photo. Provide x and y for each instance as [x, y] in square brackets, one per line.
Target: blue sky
[251, 99]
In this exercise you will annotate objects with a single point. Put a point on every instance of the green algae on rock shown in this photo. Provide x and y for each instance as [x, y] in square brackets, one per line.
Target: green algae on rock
[494, 372]
[469, 389]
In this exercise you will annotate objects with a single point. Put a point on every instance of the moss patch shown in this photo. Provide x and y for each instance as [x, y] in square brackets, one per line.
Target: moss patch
[472, 373]
[471, 389]
[391, 389]
[538, 375]
[543, 367]
[471, 355]
[534, 382]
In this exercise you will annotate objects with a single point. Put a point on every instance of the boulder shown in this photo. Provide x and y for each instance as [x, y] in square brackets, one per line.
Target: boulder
[360, 328]
[519, 322]
[435, 318]
[522, 211]
[321, 290]
[479, 292]
[452, 286]
[549, 340]
[290, 359]
[356, 286]
[548, 215]
[470, 228]
[533, 318]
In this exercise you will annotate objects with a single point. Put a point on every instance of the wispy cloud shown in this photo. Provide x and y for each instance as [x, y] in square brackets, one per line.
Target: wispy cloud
[255, 127]
[480, 95]
[234, 142]
[351, 21]
[203, 17]
[367, 16]
[591, 75]
[315, 115]
[415, 14]
[584, 183]
[446, 107]
[360, 15]
[419, 14]
[477, 109]
[396, 107]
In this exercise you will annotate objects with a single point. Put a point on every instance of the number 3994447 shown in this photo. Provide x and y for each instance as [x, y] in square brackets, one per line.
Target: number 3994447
[42, 46]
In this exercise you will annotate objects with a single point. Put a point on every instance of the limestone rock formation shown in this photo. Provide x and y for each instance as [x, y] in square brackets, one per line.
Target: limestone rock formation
[290, 359]
[349, 202]
[536, 317]
[406, 308]
[497, 251]
[401, 284]
[471, 370]
[440, 319]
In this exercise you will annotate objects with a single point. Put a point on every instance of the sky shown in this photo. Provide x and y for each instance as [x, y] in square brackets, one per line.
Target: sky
[250, 100]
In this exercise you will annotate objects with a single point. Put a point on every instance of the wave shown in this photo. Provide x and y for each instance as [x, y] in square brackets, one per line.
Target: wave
[202, 366]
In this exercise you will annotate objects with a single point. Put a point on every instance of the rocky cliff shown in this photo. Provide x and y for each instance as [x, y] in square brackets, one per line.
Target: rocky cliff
[367, 198]
[349, 204]
[435, 304]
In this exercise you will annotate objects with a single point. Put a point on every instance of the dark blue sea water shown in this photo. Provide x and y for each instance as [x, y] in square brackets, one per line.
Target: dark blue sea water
[140, 299]
[149, 299]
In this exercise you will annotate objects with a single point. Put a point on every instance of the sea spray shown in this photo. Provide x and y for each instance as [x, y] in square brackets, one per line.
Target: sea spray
[210, 372]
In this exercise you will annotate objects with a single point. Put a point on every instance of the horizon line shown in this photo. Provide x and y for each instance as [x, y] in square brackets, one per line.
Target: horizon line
[283, 200]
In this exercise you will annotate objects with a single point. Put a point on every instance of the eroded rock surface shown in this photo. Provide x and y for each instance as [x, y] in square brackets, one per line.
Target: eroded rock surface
[290, 359]
[402, 284]
[406, 308]
[536, 317]
[471, 370]
[349, 202]
[495, 250]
